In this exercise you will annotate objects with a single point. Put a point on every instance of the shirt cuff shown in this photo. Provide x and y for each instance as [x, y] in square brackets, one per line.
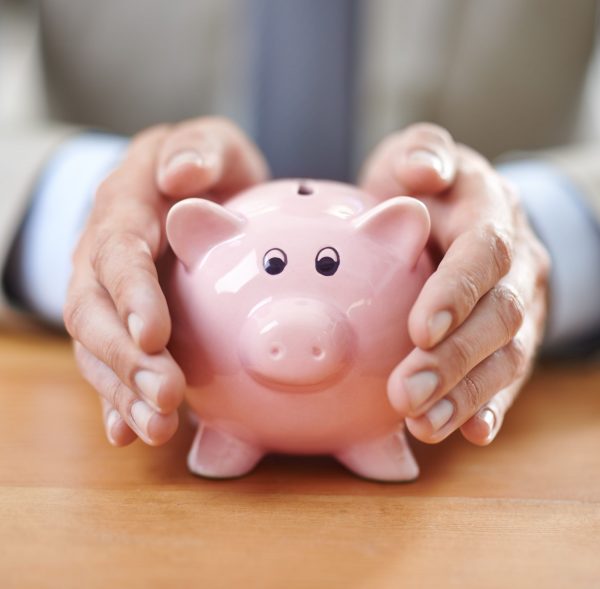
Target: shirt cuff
[40, 265]
[561, 219]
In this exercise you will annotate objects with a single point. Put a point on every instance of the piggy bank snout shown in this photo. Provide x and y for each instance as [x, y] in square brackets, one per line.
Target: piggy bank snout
[296, 343]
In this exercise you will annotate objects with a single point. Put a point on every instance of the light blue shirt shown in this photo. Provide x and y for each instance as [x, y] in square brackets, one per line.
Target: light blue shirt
[562, 220]
[66, 189]
[61, 202]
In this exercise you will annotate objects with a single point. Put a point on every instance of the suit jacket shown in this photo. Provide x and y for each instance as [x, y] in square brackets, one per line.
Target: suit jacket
[501, 76]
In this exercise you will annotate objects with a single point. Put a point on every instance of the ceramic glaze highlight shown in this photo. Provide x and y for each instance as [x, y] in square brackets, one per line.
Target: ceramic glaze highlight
[289, 308]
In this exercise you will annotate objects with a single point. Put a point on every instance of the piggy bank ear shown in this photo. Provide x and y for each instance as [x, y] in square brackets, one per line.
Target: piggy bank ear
[195, 225]
[400, 224]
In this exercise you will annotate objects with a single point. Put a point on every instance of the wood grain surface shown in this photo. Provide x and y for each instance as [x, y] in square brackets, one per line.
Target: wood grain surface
[75, 512]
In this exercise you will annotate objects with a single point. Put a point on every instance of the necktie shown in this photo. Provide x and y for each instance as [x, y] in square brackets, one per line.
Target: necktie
[303, 86]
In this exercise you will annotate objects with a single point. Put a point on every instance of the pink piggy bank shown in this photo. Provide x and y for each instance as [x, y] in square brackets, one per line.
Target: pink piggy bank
[289, 309]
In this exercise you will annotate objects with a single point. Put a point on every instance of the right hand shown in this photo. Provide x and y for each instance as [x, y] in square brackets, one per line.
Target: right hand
[115, 310]
[479, 318]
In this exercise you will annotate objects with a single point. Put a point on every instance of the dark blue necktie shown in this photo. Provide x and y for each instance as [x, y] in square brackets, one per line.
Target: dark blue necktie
[303, 85]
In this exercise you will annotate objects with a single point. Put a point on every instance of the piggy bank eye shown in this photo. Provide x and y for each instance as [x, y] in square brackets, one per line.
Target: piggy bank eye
[327, 261]
[274, 261]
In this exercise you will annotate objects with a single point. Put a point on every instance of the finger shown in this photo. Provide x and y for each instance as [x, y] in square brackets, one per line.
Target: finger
[92, 321]
[208, 154]
[474, 226]
[151, 427]
[471, 397]
[425, 376]
[126, 225]
[419, 160]
[483, 427]
[473, 264]
[496, 372]
[124, 266]
[117, 430]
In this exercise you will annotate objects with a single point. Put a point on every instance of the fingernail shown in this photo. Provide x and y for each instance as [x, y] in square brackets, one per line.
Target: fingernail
[440, 414]
[427, 158]
[182, 158]
[112, 419]
[141, 413]
[439, 325]
[149, 384]
[489, 418]
[135, 325]
[419, 387]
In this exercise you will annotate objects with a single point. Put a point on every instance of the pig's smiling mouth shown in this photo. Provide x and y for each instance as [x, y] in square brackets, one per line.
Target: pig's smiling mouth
[302, 385]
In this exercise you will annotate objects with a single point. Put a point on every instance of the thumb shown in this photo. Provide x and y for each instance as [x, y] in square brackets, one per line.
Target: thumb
[419, 160]
[208, 155]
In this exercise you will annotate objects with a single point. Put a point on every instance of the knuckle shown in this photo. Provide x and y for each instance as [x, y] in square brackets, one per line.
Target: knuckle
[125, 280]
[121, 262]
[99, 253]
[112, 249]
[73, 314]
[461, 354]
[510, 308]
[127, 241]
[472, 391]
[468, 291]
[115, 397]
[119, 287]
[119, 358]
[501, 248]
[112, 352]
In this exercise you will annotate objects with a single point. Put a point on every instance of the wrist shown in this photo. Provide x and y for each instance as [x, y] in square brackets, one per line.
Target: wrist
[40, 261]
[557, 212]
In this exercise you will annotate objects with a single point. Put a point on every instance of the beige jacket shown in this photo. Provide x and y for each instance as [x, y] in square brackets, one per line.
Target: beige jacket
[502, 76]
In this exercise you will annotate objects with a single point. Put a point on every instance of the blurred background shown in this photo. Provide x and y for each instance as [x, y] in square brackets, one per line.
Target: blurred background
[122, 66]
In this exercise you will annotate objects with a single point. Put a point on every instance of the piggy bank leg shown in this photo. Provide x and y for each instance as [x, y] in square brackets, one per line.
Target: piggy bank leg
[217, 455]
[384, 459]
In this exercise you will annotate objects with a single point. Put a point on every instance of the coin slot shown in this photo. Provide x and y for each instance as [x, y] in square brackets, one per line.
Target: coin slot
[305, 189]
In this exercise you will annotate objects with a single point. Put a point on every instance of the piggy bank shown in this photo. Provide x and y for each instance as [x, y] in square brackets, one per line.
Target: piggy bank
[289, 306]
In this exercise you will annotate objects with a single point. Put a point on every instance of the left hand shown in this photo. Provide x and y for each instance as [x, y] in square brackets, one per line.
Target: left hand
[480, 316]
[116, 311]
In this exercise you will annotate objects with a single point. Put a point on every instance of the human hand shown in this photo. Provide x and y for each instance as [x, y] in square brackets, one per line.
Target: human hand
[115, 311]
[479, 318]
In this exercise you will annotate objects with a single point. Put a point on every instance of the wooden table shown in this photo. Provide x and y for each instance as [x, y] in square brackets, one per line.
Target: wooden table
[75, 512]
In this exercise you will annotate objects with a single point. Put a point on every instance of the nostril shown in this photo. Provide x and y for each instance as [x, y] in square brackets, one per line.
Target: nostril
[317, 352]
[276, 351]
